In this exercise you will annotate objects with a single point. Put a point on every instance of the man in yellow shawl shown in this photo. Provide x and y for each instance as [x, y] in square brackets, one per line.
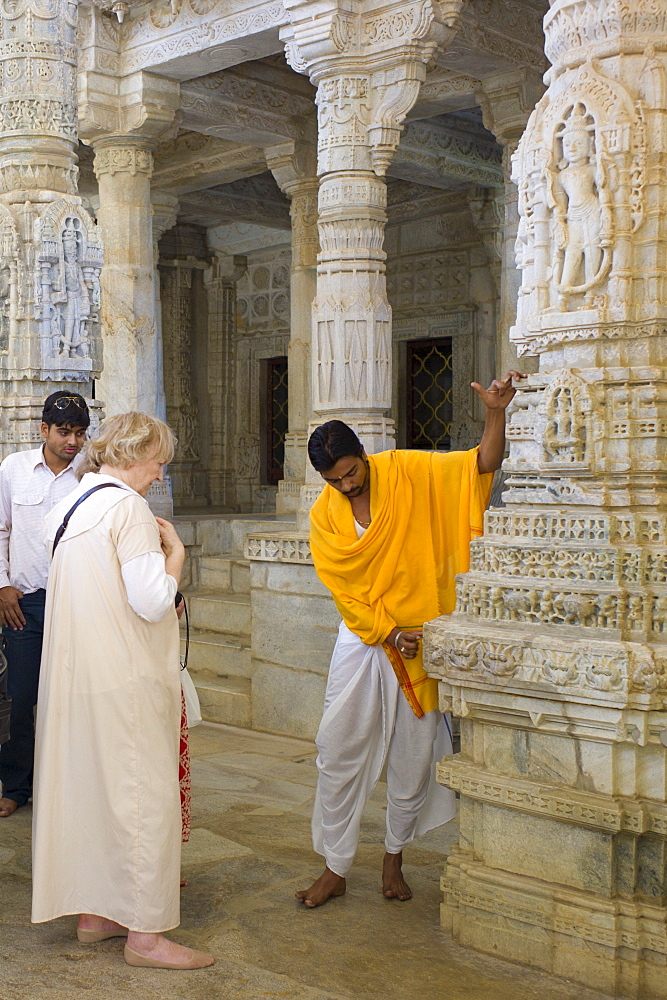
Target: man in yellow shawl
[389, 532]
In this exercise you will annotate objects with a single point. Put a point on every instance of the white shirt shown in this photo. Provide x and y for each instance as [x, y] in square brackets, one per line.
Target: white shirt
[29, 490]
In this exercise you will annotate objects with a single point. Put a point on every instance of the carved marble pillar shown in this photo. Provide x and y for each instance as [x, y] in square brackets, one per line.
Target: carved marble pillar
[123, 166]
[507, 101]
[367, 68]
[556, 656]
[50, 250]
[164, 208]
[220, 283]
[183, 261]
[295, 172]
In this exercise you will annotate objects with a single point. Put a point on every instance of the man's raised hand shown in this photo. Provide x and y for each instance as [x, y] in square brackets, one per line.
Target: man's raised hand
[500, 393]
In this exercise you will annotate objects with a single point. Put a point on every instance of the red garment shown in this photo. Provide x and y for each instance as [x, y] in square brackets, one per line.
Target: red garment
[184, 774]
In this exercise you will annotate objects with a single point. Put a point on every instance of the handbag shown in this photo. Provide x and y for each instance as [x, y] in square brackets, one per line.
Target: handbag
[5, 700]
[192, 706]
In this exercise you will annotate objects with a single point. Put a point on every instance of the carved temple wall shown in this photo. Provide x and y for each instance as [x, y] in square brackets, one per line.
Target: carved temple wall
[262, 332]
[555, 657]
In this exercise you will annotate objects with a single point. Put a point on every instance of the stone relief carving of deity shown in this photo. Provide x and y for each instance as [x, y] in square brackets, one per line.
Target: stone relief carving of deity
[5, 305]
[581, 204]
[71, 299]
[566, 434]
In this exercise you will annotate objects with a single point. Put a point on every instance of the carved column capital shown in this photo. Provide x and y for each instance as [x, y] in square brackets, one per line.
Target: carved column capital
[295, 170]
[368, 68]
[123, 154]
[507, 101]
[225, 268]
[165, 212]
[292, 164]
[145, 106]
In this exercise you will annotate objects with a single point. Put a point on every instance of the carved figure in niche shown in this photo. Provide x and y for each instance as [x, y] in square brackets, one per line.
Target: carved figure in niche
[4, 308]
[187, 430]
[565, 432]
[72, 300]
[581, 205]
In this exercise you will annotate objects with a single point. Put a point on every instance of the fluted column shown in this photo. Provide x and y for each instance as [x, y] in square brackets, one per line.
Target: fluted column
[50, 251]
[556, 655]
[295, 171]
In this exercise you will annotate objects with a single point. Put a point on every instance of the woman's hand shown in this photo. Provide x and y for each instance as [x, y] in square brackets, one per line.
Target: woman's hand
[171, 543]
[173, 548]
[406, 641]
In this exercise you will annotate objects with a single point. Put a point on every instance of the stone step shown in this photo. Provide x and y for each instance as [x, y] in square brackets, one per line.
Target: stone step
[217, 655]
[225, 701]
[215, 612]
[225, 574]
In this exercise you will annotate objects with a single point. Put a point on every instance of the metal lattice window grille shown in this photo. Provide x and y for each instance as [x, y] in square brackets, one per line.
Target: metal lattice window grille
[429, 394]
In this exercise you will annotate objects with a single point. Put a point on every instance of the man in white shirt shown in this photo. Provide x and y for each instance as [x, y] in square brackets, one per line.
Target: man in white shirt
[31, 484]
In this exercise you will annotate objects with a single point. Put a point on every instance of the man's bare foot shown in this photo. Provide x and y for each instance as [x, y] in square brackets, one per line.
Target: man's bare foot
[394, 885]
[7, 807]
[327, 885]
[158, 948]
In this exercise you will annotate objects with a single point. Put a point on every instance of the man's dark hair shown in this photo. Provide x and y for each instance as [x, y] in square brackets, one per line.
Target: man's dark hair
[72, 411]
[330, 442]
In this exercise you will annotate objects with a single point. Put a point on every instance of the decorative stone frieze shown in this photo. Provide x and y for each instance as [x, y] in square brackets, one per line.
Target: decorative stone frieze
[194, 162]
[177, 38]
[50, 250]
[437, 153]
[284, 547]
[235, 107]
[556, 655]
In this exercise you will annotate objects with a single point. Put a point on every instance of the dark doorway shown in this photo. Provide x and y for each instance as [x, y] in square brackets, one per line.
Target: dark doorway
[275, 414]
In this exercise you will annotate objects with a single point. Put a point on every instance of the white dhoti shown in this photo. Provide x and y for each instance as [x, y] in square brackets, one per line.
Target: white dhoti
[367, 721]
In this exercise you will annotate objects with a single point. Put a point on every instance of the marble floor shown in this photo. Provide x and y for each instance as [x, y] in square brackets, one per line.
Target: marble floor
[250, 850]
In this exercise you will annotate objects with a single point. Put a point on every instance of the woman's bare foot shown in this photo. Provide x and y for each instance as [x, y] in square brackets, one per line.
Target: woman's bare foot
[7, 807]
[394, 885]
[91, 922]
[327, 885]
[160, 949]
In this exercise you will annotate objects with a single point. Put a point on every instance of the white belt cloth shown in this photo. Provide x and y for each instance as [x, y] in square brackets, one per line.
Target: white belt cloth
[367, 721]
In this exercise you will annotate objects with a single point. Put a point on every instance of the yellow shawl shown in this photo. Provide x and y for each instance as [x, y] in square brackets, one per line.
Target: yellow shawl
[425, 508]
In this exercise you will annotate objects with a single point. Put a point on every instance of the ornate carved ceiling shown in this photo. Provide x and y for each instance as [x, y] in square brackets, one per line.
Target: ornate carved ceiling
[238, 98]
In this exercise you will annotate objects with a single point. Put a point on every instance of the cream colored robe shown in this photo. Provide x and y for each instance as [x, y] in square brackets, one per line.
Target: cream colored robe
[107, 822]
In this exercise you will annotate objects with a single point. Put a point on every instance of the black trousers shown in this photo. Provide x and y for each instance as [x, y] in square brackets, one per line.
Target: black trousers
[24, 652]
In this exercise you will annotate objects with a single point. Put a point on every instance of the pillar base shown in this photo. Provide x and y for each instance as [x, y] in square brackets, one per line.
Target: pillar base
[616, 946]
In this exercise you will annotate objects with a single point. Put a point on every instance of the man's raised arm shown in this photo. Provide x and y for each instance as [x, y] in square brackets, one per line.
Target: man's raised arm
[496, 399]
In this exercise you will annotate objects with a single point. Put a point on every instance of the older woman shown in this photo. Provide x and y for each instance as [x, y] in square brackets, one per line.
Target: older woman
[106, 839]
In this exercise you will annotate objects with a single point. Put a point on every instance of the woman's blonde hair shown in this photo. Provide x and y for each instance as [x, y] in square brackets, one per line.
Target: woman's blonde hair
[128, 438]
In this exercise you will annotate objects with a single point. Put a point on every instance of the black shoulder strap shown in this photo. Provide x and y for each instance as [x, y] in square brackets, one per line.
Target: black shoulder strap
[63, 527]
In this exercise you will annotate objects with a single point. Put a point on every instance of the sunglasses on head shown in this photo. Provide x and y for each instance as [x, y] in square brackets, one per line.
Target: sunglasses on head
[64, 401]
